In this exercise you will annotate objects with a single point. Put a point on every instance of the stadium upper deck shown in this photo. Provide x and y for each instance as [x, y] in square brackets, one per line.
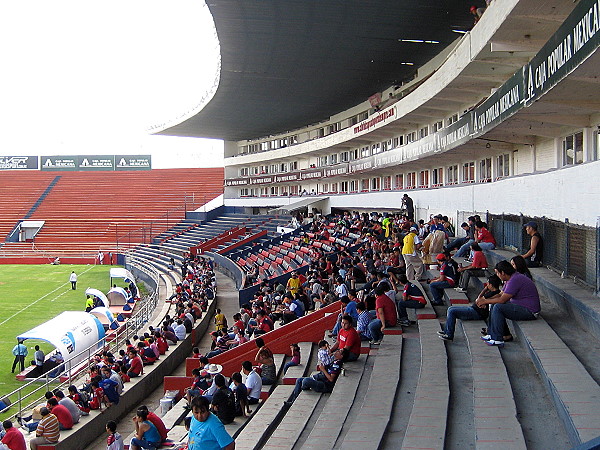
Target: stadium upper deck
[503, 114]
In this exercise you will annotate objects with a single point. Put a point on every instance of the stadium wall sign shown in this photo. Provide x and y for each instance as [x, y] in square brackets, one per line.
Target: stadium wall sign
[18, 162]
[575, 40]
[96, 162]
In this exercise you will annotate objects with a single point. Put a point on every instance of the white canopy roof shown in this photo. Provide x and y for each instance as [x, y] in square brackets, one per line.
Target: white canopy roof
[118, 296]
[99, 294]
[103, 314]
[70, 332]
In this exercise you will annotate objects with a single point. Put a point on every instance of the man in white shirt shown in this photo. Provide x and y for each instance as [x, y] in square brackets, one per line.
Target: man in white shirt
[179, 330]
[73, 280]
[253, 383]
[340, 288]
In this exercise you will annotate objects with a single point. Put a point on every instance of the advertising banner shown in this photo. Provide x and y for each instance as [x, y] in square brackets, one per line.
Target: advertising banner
[133, 162]
[18, 162]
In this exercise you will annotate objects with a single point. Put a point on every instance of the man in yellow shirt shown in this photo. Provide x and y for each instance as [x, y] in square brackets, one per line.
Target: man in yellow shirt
[293, 284]
[410, 247]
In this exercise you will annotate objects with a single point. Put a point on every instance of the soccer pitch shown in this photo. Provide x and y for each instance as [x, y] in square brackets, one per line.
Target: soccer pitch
[33, 294]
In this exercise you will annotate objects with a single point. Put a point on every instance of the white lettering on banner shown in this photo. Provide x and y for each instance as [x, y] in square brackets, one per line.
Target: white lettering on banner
[505, 102]
[379, 118]
[454, 136]
[587, 27]
[309, 175]
[336, 171]
[284, 178]
[236, 182]
[362, 166]
[12, 162]
[261, 180]
[559, 56]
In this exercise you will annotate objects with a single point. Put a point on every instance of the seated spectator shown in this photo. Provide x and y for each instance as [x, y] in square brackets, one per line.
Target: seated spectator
[295, 351]
[387, 315]
[180, 331]
[520, 265]
[109, 386]
[324, 356]
[62, 414]
[136, 366]
[268, 373]
[80, 399]
[264, 324]
[459, 241]
[114, 441]
[146, 353]
[241, 395]
[69, 404]
[253, 383]
[465, 248]
[364, 318]
[412, 297]
[348, 339]
[348, 307]
[534, 256]
[146, 434]
[47, 431]
[223, 401]
[157, 422]
[483, 237]
[519, 301]
[491, 290]
[324, 381]
[446, 279]
[221, 344]
[199, 385]
[13, 439]
[475, 269]
[97, 397]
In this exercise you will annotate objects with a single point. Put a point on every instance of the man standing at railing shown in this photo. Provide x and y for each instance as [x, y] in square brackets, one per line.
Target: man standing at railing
[20, 351]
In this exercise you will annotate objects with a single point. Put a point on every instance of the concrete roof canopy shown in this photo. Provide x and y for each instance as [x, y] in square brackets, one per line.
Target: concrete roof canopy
[289, 64]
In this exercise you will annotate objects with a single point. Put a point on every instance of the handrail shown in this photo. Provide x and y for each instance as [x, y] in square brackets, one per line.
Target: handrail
[144, 312]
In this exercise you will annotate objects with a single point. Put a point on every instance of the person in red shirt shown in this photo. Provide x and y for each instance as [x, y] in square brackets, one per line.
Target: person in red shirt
[65, 419]
[136, 366]
[349, 339]
[387, 315]
[157, 422]
[483, 237]
[13, 438]
[474, 269]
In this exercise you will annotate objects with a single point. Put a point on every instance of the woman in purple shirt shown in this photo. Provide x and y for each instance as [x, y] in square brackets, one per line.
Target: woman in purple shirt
[519, 301]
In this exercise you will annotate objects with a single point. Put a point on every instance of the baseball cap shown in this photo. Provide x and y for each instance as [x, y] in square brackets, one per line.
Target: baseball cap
[440, 257]
[531, 224]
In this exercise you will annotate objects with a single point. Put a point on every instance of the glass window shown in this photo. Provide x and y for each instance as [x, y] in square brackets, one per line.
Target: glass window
[399, 181]
[485, 170]
[375, 184]
[468, 175]
[424, 179]
[572, 148]
[437, 177]
[411, 180]
[387, 183]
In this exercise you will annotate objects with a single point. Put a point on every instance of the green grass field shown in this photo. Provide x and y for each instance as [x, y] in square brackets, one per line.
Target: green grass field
[33, 294]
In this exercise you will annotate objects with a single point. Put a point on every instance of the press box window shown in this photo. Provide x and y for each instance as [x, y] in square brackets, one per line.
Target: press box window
[572, 149]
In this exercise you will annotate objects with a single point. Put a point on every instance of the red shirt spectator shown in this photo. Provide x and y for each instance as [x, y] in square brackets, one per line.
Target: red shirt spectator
[63, 415]
[159, 424]
[389, 310]
[479, 260]
[14, 439]
[483, 235]
[349, 339]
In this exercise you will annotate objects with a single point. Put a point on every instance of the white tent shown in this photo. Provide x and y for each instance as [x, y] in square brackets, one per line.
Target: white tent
[99, 294]
[118, 296]
[126, 275]
[104, 316]
[70, 332]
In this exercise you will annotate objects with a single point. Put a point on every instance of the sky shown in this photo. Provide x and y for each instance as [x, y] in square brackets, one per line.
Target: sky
[84, 77]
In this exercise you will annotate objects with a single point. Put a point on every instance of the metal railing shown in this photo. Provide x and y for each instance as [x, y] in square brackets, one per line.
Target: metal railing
[25, 397]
